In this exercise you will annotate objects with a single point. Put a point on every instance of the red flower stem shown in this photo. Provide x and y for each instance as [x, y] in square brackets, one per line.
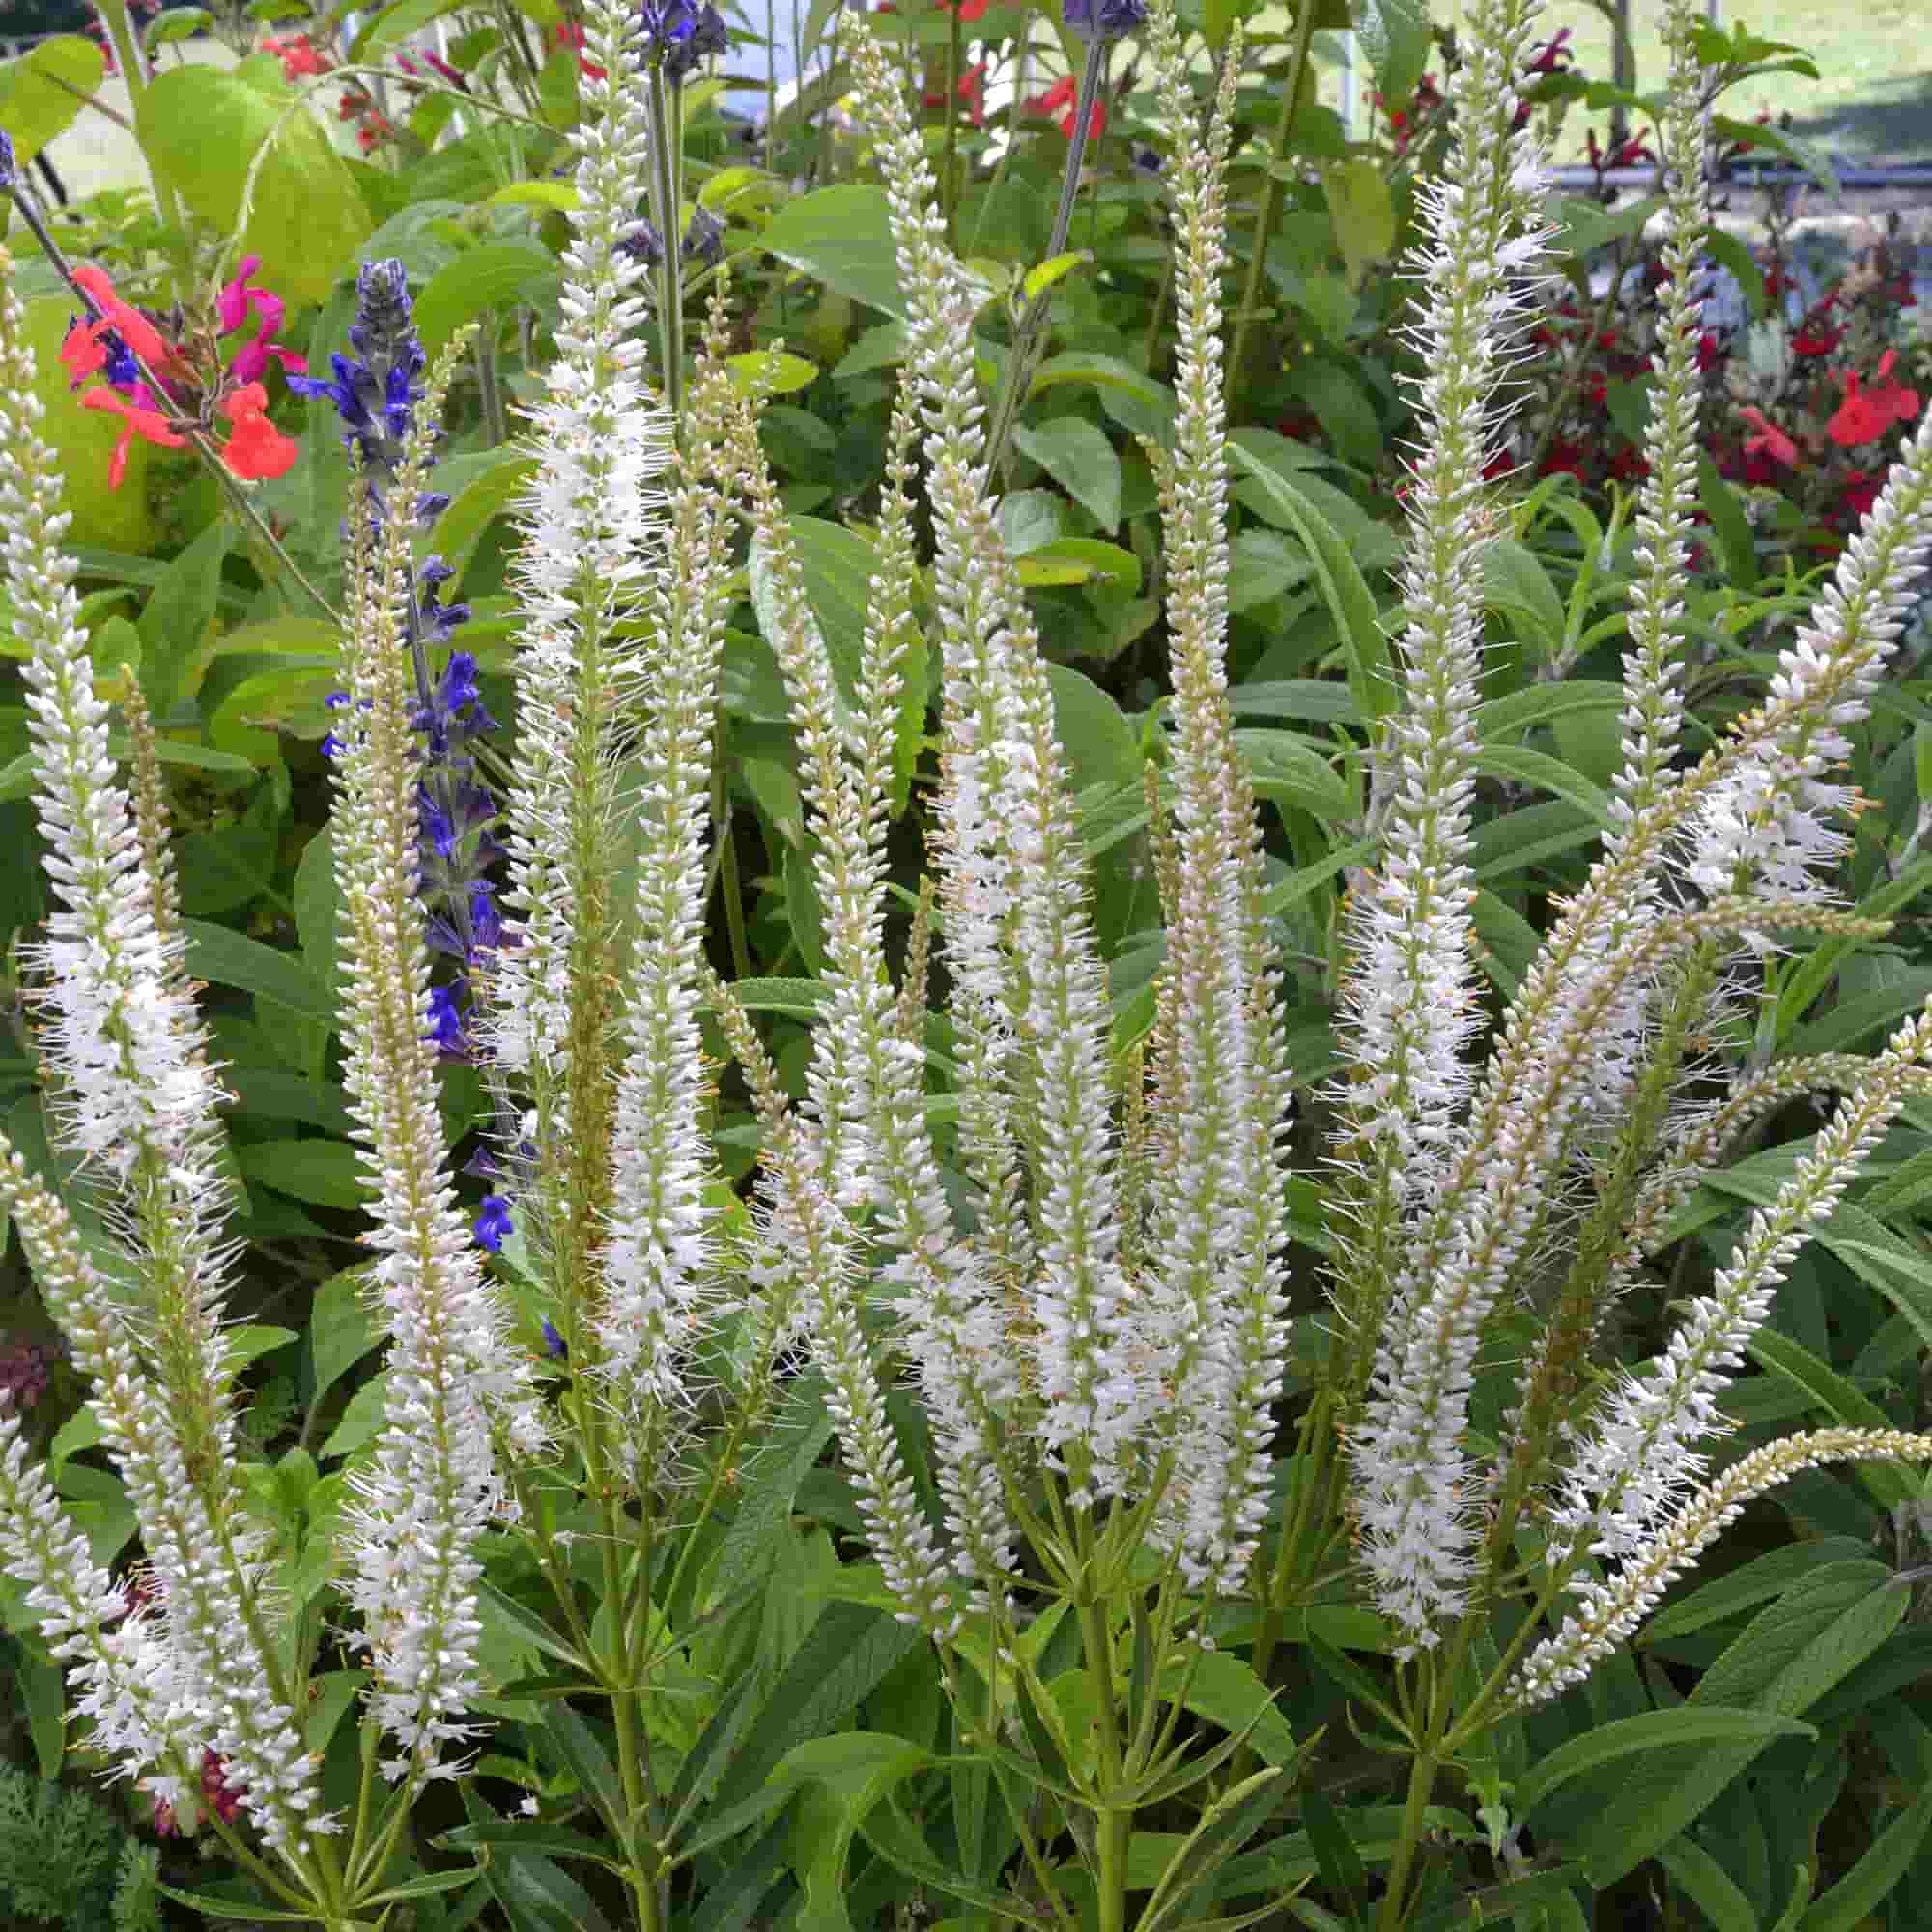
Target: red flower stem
[198, 437]
[1030, 327]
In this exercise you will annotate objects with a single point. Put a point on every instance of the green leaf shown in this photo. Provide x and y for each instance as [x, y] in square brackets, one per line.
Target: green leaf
[1081, 560]
[425, 1887]
[210, 1907]
[253, 1340]
[1849, 1903]
[1786, 1658]
[495, 275]
[1362, 209]
[529, 1627]
[1080, 459]
[531, 1834]
[768, 371]
[361, 1421]
[1223, 1688]
[1100, 745]
[1395, 37]
[1370, 678]
[1651, 1730]
[1515, 583]
[328, 1174]
[43, 1692]
[1148, 406]
[179, 614]
[202, 127]
[225, 958]
[44, 90]
[341, 1330]
[842, 235]
[1707, 1887]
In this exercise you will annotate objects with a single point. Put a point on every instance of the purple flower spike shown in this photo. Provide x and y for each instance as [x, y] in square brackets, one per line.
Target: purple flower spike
[555, 1346]
[494, 1223]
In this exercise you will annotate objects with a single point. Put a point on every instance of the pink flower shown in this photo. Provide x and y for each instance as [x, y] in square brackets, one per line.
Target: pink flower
[237, 300]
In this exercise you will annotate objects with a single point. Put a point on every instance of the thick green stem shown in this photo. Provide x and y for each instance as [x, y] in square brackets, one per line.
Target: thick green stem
[134, 71]
[1421, 1784]
[1272, 197]
[666, 201]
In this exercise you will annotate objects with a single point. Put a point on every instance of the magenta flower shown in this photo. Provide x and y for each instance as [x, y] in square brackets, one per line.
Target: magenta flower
[240, 299]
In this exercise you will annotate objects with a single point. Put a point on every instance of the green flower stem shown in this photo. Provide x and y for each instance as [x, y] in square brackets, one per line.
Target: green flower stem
[134, 71]
[667, 200]
[1422, 1772]
[1030, 331]
[1272, 197]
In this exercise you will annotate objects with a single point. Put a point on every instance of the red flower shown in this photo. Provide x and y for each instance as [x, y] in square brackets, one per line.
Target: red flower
[257, 449]
[972, 91]
[1563, 459]
[1859, 493]
[565, 35]
[148, 424]
[1769, 440]
[299, 55]
[1815, 340]
[1065, 93]
[970, 10]
[1864, 416]
[130, 323]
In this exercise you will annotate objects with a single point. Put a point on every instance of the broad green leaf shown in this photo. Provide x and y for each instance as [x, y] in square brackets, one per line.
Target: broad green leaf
[1081, 460]
[179, 616]
[341, 1330]
[228, 959]
[317, 905]
[843, 236]
[1148, 406]
[495, 275]
[1363, 212]
[1396, 39]
[43, 1692]
[1347, 595]
[44, 89]
[1653, 1730]
[766, 372]
[1749, 1585]
[1707, 1887]
[1788, 1656]
[202, 127]
[253, 1340]
[1851, 1902]
[1223, 1688]
[1100, 743]
[361, 1422]
[1081, 560]
[1515, 583]
[324, 1172]
[478, 504]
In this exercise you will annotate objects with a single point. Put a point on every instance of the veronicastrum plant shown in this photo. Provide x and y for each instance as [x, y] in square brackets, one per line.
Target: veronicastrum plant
[1080, 1258]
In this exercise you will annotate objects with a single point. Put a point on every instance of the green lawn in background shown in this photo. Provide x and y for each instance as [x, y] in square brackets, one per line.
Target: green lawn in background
[1874, 92]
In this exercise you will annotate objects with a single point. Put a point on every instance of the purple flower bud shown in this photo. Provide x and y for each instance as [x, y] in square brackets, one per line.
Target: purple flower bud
[1104, 19]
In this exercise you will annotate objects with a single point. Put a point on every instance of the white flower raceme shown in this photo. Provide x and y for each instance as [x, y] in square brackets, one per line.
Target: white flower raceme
[590, 523]
[1410, 1002]
[1610, 1611]
[1032, 1011]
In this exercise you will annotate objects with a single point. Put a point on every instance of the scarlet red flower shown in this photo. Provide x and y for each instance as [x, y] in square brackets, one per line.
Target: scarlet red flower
[1859, 493]
[565, 35]
[1816, 340]
[257, 449]
[148, 424]
[1769, 440]
[1866, 415]
[970, 10]
[1064, 93]
[972, 91]
[299, 55]
[130, 323]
